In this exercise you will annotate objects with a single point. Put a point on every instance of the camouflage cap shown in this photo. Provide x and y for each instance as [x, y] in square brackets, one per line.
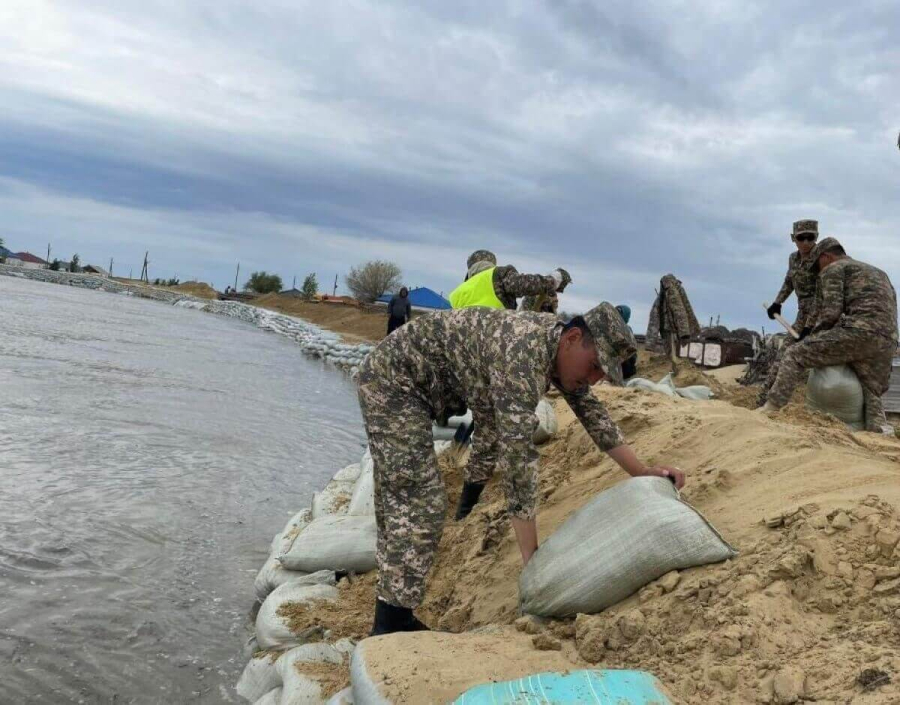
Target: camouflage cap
[614, 340]
[481, 256]
[806, 226]
[821, 247]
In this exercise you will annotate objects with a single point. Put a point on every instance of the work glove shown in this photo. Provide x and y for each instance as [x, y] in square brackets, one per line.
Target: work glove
[773, 310]
[561, 278]
[804, 333]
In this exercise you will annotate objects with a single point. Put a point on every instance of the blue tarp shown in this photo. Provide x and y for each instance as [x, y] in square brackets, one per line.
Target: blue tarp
[423, 297]
[575, 688]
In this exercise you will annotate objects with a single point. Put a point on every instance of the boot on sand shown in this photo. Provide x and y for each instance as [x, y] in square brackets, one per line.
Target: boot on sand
[390, 619]
[768, 408]
[471, 491]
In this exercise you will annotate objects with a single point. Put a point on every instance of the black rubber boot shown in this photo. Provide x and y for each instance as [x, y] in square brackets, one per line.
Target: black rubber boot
[471, 491]
[390, 619]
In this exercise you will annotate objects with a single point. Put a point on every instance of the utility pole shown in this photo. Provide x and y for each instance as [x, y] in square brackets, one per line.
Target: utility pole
[145, 274]
[131, 274]
[111, 260]
[48, 252]
[236, 274]
[334, 293]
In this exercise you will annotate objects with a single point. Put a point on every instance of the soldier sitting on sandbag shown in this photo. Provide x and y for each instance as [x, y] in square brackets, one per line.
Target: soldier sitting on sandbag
[502, 362]
[856, 325]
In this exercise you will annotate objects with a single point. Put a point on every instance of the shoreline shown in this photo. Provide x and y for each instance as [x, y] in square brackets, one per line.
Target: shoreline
[314, 341]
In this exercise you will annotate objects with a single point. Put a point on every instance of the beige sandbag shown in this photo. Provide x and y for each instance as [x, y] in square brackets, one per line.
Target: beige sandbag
[344, 544]
[836, 390]
[273, 630]
[623, 539]
[298, 688]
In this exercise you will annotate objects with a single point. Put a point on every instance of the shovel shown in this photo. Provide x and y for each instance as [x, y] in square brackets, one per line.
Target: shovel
[787, 326]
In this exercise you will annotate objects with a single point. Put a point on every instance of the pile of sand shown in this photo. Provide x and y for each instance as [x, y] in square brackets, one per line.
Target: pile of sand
[199, 289]
[353, 323]
[810, 607]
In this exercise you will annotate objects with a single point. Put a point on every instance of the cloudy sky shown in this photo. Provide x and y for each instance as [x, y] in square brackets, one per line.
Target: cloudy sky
[621, 140]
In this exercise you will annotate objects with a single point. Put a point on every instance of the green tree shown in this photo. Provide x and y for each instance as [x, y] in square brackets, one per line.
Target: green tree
[263, 283]
[76, 263]
[372, 279]
[310, 287]
[55, 265]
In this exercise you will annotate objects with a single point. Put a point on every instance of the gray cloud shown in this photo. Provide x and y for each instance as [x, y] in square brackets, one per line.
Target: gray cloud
[619, 141]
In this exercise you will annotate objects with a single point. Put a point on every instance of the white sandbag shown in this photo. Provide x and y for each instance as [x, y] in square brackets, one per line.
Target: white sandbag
[623, 539]
[342, 543]
[333, 500]
[547, 424]
[442, 433]
[646, 384]
[697, 392]
[836, 390]
[348, 474]
[300, 689]
[362, 501]
[272, 630]
[271, 576]
[457, 421]
[282, 542]
[345, 697]
[273, 697]
[259, 677]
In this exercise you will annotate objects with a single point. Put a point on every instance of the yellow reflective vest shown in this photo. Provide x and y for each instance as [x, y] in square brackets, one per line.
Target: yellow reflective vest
[476, 291]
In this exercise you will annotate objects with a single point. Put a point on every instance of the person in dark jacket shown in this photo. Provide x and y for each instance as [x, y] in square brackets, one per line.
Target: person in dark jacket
[399, 310]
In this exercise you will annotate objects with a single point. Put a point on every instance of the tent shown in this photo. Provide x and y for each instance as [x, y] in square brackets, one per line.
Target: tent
[422, 297]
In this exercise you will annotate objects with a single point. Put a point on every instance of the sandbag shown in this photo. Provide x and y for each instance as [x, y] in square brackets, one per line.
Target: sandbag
[547, 424]
[836, 390]
[300, 689]
[341, 543]
[348, 474]
[345, 697]
[646, 384]
[333, 500]
[259, 677]
[697, 392]
[626, 687]
[282, 542]
[273, 697]
[362, 501]
[271, 576]
[272, 630]
[623, 539]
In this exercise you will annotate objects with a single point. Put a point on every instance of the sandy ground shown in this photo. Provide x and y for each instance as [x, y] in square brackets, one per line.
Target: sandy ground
[354, 324]
[813, 598]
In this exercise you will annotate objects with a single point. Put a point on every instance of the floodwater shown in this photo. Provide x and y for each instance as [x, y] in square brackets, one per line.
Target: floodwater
[148, 454]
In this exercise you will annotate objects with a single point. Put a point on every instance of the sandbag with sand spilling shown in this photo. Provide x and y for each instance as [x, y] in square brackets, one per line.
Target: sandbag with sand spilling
[272, 629]
[621, 540]
[836, 390]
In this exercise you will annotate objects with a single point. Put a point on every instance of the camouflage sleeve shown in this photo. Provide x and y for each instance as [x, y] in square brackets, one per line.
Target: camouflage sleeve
[508, 280]
[786, 288]
[830, 298]
[595, 419]
[516, 395]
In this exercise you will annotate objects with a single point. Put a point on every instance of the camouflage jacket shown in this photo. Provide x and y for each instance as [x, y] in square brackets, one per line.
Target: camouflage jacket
[857, 295]
[500, 363]
[802, 280]
[509, 285]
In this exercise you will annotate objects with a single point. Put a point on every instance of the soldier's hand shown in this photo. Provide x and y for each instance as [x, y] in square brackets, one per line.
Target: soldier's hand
[676, 475]
[805, 332]
[773, 310]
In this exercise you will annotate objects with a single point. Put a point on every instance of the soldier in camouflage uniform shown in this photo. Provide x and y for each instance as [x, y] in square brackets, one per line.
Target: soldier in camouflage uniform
[501, 362]
[856, 324]
[507, 284]
[672, 316]
[800, 279]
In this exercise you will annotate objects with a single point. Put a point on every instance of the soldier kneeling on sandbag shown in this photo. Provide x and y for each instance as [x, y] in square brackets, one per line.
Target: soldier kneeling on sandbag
[501, 362]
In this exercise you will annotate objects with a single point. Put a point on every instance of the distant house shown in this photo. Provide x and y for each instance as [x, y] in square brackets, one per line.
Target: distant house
[294, 293]
[26, 260]
[94, 269]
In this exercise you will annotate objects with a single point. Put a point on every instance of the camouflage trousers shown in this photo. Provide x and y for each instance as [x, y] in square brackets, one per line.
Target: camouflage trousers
[410, 498]
[789, 341]
[868, 354]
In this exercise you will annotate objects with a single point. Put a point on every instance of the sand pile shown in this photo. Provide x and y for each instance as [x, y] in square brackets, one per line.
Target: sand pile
[809, 610]
[199, 289]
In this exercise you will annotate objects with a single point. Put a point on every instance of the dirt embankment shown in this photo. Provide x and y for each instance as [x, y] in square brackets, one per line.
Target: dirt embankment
[353, 323]
[810, 609]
